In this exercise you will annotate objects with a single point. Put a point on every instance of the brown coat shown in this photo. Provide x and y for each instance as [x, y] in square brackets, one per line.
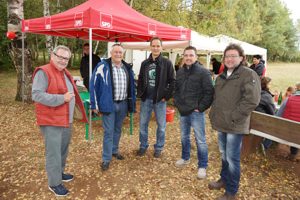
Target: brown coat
[234, 100]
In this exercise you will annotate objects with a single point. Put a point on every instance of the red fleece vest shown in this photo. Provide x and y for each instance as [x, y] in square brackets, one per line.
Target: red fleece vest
[56, 116]
[292, 109]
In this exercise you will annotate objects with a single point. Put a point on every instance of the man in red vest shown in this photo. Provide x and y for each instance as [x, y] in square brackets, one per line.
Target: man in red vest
[55, 96]
[290, 109]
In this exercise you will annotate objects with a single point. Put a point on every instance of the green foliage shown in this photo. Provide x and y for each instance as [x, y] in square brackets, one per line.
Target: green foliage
[5, 62]
[265, 23]
[279, 34]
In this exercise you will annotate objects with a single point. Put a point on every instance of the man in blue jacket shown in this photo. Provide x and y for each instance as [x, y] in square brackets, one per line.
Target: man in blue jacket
[112, 94]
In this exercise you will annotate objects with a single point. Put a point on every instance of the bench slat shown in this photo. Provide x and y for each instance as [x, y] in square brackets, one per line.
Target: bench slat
[278, 128]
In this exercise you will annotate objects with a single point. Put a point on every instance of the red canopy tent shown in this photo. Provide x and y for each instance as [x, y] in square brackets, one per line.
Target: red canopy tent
[110, 20]
[105, 20]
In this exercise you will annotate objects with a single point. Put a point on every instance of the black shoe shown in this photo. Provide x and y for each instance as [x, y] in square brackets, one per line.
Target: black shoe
[104, 166]
[118, 156]
[67, 177]
[141, 152]
[157, 154]
[59, 190]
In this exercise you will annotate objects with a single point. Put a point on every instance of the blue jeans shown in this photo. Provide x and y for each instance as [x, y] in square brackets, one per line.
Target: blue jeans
[230, 148]
[160, 114]
[112, 124]
[196, 120]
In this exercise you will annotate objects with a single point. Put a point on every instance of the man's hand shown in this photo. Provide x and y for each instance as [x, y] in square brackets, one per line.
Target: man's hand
[68, 96]
[196, 110]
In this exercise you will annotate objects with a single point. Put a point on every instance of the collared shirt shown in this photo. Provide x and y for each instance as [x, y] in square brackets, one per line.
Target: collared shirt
[120, 82]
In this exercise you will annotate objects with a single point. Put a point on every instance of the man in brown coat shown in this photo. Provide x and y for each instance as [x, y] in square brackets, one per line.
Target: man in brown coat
[237, 93]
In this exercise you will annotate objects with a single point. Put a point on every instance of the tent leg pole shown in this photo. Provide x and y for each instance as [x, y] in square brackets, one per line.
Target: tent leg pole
[23, 67]
[90, 76]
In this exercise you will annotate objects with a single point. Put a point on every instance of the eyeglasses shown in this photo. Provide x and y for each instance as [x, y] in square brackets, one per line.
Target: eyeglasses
[231, 56]
[61, 57]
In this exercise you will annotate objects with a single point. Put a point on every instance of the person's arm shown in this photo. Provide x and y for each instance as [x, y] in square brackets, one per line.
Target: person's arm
[282, 108]
[260, 69]
[39, 94]
[92, 91]
[171, 82]
[270, 106]
[250, 97]
[81, 67]
[208, 92]
[140, 81]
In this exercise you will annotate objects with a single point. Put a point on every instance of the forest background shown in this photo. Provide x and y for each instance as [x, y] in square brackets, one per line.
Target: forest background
[265, 23]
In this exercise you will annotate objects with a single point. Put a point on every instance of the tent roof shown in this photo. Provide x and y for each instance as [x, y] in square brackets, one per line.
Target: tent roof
[202, 43]
[110, 20]
[249, 49]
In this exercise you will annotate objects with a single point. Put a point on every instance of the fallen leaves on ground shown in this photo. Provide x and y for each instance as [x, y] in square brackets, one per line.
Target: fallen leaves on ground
[23, 176]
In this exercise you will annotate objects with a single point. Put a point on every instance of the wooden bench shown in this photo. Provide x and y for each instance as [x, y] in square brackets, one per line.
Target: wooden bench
[278, 129]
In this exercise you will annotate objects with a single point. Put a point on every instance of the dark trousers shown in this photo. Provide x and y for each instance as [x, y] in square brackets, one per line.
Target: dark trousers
[86, 82]
[293, 150]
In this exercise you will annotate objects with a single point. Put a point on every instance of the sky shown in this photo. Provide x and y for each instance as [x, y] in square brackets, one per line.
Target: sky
[292, 6]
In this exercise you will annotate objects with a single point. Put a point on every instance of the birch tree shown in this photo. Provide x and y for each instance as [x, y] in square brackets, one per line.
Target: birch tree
[15, 15]
[49, 40]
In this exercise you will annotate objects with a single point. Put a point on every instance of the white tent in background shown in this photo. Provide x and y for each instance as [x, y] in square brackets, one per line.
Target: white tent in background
[136, 52]
[204, 44]
[249, 49]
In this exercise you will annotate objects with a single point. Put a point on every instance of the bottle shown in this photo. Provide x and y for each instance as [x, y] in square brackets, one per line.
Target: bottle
[279, 99]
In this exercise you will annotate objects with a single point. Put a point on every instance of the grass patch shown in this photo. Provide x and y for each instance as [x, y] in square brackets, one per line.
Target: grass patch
[283, 75]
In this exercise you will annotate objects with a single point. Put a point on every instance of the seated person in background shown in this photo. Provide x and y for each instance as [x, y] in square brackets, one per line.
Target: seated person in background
[290, 109]
[216, 65]
[266, 105]
[289, 91]
[258, 65]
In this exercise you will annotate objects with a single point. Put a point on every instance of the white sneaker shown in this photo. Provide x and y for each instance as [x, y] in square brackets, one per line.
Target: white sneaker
[201, 173]
[182, 163]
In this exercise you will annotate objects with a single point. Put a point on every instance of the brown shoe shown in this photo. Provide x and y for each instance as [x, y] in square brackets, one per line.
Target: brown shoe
[216, 185]
[226, 196]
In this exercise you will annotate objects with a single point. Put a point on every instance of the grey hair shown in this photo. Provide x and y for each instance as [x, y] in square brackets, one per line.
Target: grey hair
[63, 48]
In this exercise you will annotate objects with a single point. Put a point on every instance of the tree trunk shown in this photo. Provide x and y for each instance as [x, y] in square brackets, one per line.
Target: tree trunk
[49, 40]
[58, 6]
[37, 48]
[15, 15]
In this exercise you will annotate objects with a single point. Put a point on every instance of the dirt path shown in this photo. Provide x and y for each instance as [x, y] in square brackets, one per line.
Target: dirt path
[22, 172]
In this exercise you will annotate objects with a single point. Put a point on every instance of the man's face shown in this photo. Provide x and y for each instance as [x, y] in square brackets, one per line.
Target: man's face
[156, 48]
[116, 54]
[189, 57]
[86, 50]
[255, 61]
[232, 59]
[60, 59]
